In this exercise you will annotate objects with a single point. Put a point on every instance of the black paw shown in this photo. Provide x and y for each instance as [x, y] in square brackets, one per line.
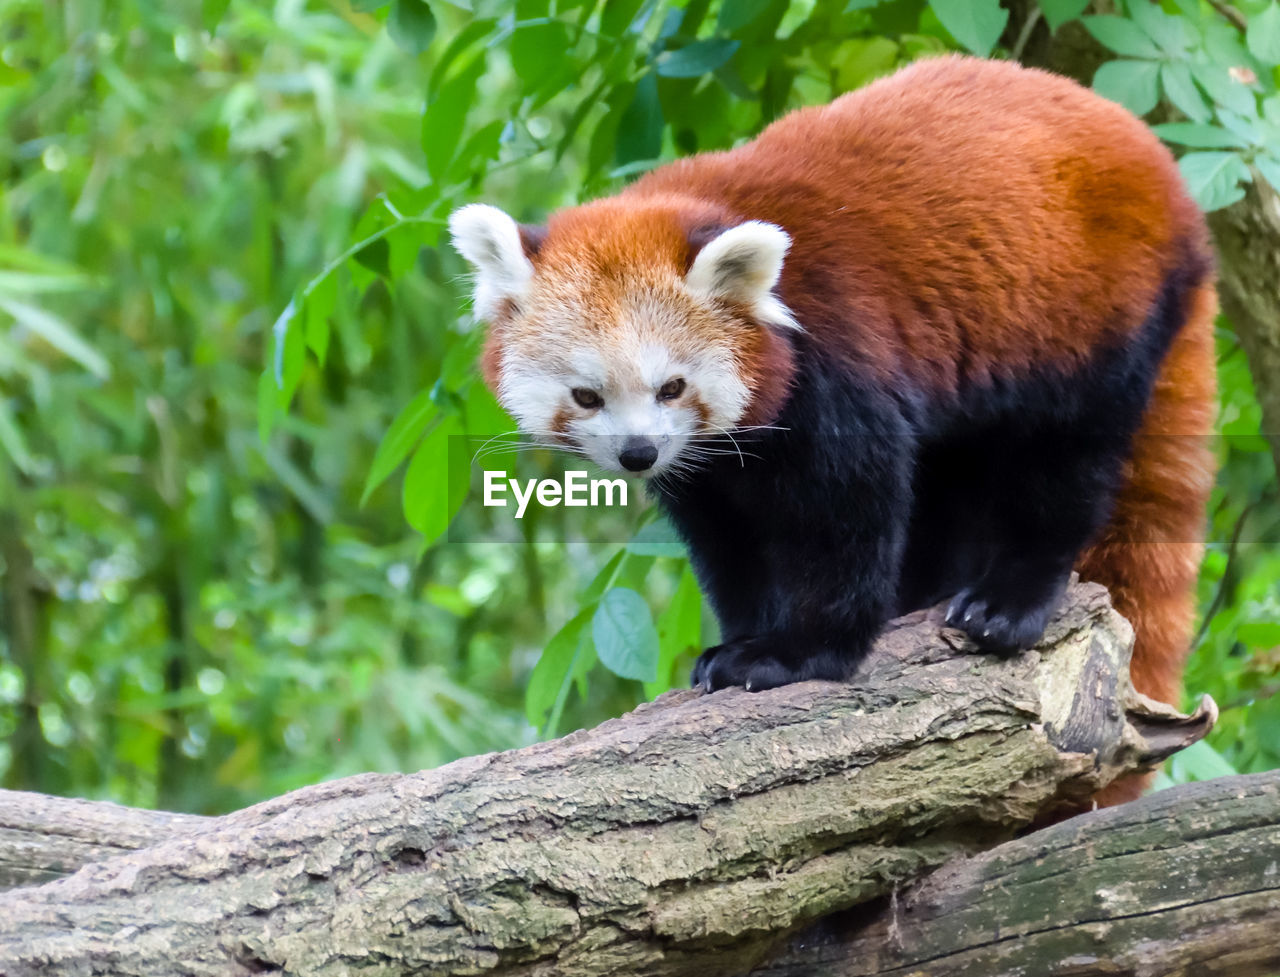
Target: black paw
[1003, 620]
[769, 660]
[748, 662]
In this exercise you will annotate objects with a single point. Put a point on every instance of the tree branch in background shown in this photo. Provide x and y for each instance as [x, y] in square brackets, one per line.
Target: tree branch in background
[1248, 238]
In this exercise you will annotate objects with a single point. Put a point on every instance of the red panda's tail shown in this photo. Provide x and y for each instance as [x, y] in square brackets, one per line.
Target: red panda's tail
[1148, 555]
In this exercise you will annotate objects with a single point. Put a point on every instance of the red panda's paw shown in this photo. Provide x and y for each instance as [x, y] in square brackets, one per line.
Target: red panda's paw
[748, 662]
[1004, 616]
[762, 662]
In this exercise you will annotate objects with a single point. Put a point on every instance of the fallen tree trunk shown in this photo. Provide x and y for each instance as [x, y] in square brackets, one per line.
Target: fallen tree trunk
[689, 836]
[1182, 882]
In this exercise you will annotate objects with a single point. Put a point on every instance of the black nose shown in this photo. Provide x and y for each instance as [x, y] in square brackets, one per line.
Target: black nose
[637, 454]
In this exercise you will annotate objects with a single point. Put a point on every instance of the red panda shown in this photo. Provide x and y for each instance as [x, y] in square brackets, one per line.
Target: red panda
[948, 337]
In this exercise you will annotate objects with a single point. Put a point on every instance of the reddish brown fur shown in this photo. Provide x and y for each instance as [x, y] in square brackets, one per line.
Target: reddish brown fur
[1072, 249]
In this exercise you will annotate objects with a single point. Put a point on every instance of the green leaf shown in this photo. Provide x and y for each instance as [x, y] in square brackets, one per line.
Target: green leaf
[624, 635]
[445, 119]
[618, 16]
[1182, 91]
[1172, 34]
[1214, 178]
[490, 428]
[321, 300]
[679, 631]
[1134, 84]
[57, 334]
[1269, 167]
[288, 351]
[367, 5]
[538, 52]
[14, 256]
[481, 148]
[977, 24]
[1263, 36]
[412, 25]
[736, 14]
[1199, 761]
[429, 503]
[657, 538]
[549, 681]
[1246, 131]
[640, 126]
[1121, 36]
[1271, 110]
[604, 578]
[399, 440]
[211, 12]
[376, 257]
[695, 59]
[1058, 12]
[1260, 634]
[11, 440]
[1196, 135]
[1225, 90]
[857, 61]
[460, 54]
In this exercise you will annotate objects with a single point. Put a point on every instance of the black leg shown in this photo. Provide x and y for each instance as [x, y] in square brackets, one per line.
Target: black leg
[1048, 496]
[822, 575]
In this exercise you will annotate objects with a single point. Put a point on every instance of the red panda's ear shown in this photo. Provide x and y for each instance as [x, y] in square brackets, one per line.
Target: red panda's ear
[743, 265]
[531, 238]
[492, 242]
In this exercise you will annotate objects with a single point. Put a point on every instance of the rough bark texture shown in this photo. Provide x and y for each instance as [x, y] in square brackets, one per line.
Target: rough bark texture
[687, 837]
[44, 838]
[1182, 882]
[1248, 238]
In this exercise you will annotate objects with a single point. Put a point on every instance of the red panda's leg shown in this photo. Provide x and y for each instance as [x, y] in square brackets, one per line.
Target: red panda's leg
[831, 547]
[1049, 493]
[1060, 461]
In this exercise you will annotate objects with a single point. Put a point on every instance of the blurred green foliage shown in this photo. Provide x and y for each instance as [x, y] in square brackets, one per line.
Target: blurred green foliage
[233, 365]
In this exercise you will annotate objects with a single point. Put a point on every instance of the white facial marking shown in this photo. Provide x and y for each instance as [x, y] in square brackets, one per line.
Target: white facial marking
[490, 241]
[743, 265]
[536, 387]
[623, 340]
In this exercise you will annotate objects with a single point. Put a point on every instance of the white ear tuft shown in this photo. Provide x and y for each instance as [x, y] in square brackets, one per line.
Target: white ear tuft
[743, 265]
[490, 240]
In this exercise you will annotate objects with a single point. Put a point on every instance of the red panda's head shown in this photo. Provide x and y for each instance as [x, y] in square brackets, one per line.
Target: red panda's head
[631, 330]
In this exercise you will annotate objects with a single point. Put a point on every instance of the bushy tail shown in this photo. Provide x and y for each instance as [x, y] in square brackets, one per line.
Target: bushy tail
[1149, 554]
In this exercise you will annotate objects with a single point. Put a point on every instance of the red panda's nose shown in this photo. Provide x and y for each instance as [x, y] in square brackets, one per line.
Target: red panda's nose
[638, 454]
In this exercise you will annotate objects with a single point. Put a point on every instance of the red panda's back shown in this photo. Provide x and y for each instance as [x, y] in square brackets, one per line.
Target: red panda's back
[960, 207]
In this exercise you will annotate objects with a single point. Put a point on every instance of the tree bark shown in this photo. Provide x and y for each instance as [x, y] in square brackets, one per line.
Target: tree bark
[1248, 238]
[1181, 882]
[690, 836]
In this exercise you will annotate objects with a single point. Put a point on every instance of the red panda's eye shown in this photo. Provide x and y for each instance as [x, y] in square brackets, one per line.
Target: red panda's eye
[586, 399]
[671, 389]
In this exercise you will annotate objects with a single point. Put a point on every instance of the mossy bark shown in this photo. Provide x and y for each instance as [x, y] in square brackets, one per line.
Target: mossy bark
[1181, 882]
[689, 837]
